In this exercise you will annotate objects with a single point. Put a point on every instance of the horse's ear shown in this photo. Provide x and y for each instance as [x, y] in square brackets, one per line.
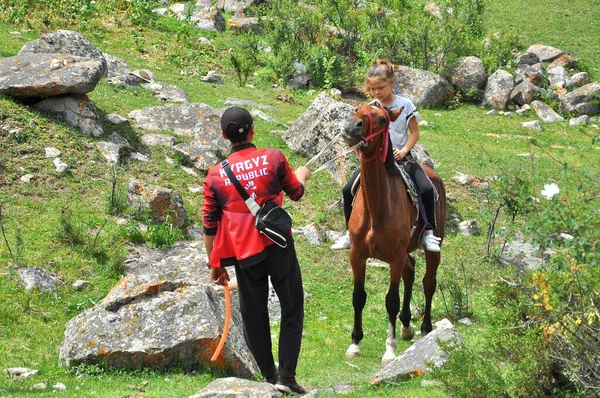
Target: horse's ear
[395, 113]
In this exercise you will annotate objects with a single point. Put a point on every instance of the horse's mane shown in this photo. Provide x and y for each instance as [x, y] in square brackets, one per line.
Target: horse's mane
[390, 163]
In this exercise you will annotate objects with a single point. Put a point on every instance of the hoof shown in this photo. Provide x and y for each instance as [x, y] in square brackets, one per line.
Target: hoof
[387, 358]
[353, 351]
[408, 332]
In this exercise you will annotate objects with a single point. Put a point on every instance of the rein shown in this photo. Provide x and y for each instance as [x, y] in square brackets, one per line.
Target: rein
[386, 134]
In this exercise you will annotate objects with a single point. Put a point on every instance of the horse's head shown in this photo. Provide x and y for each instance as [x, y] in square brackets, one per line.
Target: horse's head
[370, 124]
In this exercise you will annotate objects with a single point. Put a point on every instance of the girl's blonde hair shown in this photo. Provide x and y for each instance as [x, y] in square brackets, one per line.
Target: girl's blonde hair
[381, 69]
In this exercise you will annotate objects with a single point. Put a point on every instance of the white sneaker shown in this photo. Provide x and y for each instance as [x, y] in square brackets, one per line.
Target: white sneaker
[431, 242]
[342, 243]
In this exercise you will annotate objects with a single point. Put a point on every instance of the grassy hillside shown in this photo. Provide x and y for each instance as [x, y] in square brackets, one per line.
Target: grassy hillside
[572, 26]
[462, 140]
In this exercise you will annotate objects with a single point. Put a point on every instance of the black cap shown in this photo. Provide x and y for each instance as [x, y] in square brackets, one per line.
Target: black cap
[236, 122]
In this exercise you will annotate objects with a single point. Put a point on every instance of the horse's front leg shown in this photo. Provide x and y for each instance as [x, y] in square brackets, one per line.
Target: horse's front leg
[408, 276]
[392, 305]
[359, 298]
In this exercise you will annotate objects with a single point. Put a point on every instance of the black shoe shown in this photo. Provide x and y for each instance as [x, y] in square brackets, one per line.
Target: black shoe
[288, 385]
[272, 380]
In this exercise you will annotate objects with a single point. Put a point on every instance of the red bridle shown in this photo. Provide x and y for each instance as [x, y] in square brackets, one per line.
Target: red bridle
[386, 133]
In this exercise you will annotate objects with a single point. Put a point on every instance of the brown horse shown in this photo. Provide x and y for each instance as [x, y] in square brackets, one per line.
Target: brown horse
[380, 226]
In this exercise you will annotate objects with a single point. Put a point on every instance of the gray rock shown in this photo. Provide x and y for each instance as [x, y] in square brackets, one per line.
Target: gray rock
[116, 66]
[80, 284]
[239, 388]
[323, 121]
[467, 74]
[299, 80]
[158, 140]
[191, 120]
[583, 119]
[115, 119]
[524, 93]
[76, 110]
[249, 104]
[469, 228]
[527, 58]
[244, 24]
[208, 18]
[314, 234]
[113, 153]
[580, 79]
[44, 75]
[20, 373]
[257, 113]
[545, 53]
[583, 101]
[523, 255]
[26, 179]
[165, 313]
[421, 357]
[565, 60]
[212, 77]
[59, 387]
[498, 88]
[167, 92]
[200, 156]
[159, 202]
[65, 42]
[237, 5]
[423, 88]
[139, 157]
[34, 277]
[545, 113]
[533, 125]
[51, 152]
[60, 166]
[124, 81]
[535, 74]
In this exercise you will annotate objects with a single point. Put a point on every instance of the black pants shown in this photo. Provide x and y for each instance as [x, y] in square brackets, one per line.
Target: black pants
[283, 268]
[424, 185]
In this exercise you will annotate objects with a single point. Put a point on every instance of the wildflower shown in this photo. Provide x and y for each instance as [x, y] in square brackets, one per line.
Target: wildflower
[550, 190]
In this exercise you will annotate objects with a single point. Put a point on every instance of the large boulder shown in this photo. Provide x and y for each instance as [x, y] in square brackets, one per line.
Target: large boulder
[322, 122]
[422, 357]
[423, 88]
[498, 88]
[76, 110]
[196, 120]
[545, 53]
[45, 75]
[164, 314]
[65, 42]
[583, 101]
[468, 74]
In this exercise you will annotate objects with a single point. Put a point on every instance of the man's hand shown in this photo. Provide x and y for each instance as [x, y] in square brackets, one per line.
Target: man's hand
[303, 174]
[219, 276]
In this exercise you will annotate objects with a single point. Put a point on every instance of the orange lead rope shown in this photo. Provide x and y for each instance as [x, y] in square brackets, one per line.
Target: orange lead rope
[227, 321]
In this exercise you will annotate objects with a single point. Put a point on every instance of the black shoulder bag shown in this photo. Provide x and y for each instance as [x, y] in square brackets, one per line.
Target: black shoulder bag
[270, 219]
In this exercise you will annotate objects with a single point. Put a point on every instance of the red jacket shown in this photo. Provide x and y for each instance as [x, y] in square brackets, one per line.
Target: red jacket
[265, 174]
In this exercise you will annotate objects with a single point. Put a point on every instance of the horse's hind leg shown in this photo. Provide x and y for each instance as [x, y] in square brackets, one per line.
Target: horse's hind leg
[408, 276]
[359, 298]
[429, 286]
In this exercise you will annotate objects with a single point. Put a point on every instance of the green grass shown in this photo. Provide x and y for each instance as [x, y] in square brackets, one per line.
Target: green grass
[571, 26]
[462, 140]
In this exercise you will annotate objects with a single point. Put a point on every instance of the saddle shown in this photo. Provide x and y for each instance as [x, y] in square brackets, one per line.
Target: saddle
[411, 188]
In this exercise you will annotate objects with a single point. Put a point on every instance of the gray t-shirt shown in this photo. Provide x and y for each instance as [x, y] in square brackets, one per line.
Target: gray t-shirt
[398, 129]
[398, 132]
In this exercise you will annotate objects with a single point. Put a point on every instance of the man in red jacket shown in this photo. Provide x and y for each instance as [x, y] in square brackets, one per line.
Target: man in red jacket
[231, 239]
